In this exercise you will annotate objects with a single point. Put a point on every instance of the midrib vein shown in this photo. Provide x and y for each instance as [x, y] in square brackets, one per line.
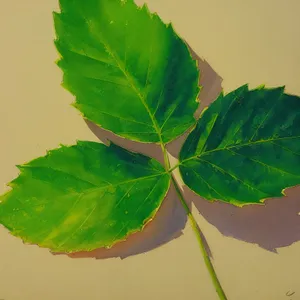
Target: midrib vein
[132, 83]
[236, 146]
[103, 187]
[111, 185]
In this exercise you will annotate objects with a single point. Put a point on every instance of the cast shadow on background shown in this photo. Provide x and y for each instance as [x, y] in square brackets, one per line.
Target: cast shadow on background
[274, 225]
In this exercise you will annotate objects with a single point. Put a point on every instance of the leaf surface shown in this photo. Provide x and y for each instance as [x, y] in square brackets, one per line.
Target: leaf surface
[245, 147]
[83, 197]
[130, 73]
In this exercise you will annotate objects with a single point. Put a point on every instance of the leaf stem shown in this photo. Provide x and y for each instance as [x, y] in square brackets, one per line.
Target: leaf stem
[166, 158]
[173, 168]
[200, 240]
[196, 230]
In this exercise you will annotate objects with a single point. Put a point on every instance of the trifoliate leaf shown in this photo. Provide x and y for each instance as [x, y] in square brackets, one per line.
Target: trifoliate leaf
[83, 197]
[131, 74]
[245, 147]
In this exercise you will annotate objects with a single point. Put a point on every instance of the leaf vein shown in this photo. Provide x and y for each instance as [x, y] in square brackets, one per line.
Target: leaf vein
[89, 57]
[209, 186]
[117, 117]
[286, 149]
[239, 146]
[263, 121]
[126, 224]
[133, 84]
[264, 164]
[233, 176]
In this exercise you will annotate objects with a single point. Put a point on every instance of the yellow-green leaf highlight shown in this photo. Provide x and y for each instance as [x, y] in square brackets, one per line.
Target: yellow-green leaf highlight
[83, 197]
[245, 147]
[130, 73]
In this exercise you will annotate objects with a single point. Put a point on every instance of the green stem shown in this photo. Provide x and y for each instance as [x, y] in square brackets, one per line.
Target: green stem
[166, 158]
[196, 230]
[205, 254]
[173, 168]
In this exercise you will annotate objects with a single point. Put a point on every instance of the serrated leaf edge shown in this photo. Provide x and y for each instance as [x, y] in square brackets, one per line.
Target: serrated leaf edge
[235, 203]
[177, 36]
[27, 241]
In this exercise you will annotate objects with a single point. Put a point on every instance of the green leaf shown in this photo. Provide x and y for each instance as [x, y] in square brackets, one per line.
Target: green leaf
[83, 197]
[245, 147]
[131, 74]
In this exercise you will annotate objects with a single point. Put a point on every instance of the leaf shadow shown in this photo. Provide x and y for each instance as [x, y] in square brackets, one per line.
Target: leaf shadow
[168, 223]
[273, 225]
[211, 87]
[171, 218]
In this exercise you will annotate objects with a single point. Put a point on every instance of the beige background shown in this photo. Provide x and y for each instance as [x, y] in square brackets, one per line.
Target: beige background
[254, 41]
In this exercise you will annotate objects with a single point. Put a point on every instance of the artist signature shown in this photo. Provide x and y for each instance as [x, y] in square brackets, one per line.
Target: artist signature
[289, 294]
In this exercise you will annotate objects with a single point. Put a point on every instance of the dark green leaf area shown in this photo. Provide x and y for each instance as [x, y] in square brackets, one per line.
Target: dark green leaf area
[245, 147]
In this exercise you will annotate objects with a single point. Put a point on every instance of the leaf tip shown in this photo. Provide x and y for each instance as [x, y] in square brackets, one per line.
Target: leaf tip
[245, 87]
[170, 26]
[57, 61]
[19, 166]
[283, 192]
[57, 44]
[55, 14]
[80, 143]
[146, 9]
[282, 88]
[261, 86]
[62, 146]
[10, 184]
[221, 95]
[203, 111]
[74, 104]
